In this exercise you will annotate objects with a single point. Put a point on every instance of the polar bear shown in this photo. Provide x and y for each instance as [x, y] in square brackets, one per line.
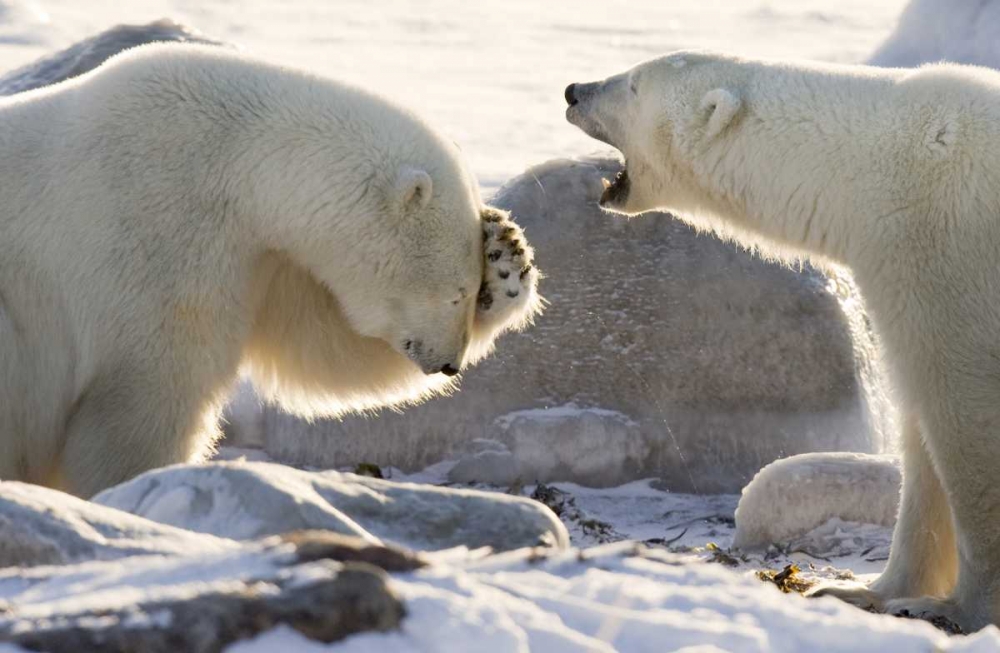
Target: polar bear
[183, 213]
[893, 173]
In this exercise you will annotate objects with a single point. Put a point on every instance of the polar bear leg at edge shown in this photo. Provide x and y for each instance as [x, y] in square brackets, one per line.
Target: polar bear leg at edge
[963, 433]
[124, 408]
[923, 557]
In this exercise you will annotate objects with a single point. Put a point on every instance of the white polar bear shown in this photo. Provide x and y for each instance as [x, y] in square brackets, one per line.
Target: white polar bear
[182, 212]
[893, 173]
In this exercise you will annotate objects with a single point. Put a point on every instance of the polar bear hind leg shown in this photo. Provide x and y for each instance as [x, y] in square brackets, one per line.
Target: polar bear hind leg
[123, 408]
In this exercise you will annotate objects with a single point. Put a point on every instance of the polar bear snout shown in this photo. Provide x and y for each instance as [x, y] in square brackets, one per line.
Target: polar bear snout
[570, 95]
[430, 361]
[576, 93]
[586, 109]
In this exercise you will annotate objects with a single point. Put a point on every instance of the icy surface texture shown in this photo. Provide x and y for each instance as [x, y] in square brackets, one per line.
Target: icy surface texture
[792, 496]
[40, 526]
[244, 500]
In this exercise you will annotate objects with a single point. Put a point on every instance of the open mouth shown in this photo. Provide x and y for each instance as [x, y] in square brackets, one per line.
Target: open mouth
[616, 191]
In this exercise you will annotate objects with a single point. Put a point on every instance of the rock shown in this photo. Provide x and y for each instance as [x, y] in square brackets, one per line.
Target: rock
[89, 53]
[585, 445]
[324, 545]
[795, 495]
[243, 500]
[496, 468]
[39, 526]
[243, 418]
[713, 361]
[326, 589]
[939, 30]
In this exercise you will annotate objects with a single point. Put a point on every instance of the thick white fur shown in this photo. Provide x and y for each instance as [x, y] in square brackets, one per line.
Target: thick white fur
[181, 212]
[893, 173]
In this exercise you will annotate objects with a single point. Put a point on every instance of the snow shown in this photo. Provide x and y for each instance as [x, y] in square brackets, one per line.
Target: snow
[618, 596]
[609, 598]
[44, 527]
[564, 411]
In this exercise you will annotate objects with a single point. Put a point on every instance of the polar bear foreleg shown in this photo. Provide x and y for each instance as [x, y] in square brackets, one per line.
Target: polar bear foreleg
[966, 451]
[922, 558]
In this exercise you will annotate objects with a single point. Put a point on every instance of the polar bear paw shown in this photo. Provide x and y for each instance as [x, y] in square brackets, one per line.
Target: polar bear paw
[854, 593]
[946, 614]
[507, 295]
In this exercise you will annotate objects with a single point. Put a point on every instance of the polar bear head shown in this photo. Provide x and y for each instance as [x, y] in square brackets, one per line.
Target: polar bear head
[658, 114]
[413, 280]
[381, 210]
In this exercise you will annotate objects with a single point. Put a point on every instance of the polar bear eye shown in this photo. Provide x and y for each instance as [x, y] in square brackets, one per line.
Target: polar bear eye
[633, 85]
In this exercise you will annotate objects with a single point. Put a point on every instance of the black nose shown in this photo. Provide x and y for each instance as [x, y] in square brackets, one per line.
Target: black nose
[448, 370]
[570, 94]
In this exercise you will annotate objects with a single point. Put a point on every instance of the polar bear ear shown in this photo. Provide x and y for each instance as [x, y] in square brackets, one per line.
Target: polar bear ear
[413, 188]
[719, 106]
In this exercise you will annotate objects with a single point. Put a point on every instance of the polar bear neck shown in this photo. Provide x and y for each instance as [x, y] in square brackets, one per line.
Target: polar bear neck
[797, 172]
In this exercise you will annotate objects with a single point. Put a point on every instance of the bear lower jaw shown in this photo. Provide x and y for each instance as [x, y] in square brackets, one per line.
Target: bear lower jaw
[576, 117]
[616, 192]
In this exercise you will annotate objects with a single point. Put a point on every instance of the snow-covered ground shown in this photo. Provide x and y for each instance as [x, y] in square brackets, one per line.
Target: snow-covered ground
[621, 596]
[491, 73]
[610, 600]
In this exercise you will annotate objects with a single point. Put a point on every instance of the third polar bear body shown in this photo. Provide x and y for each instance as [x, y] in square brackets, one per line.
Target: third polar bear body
[893, 173]
[184, 211]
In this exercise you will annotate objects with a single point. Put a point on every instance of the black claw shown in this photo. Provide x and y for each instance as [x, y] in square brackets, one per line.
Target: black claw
[517, 252]
[506, 233]
[525, 271]
[492, 216]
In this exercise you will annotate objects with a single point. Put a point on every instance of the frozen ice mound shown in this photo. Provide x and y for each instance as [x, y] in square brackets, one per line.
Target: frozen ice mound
[567, 442]
[248, 500]
[793, 496]
[40, 526]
